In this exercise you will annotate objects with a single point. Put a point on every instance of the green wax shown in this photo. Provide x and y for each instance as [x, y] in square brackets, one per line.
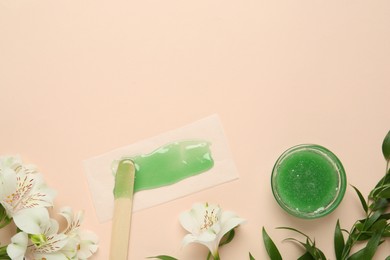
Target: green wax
[124, 179]
[307, 181]
[171, 163]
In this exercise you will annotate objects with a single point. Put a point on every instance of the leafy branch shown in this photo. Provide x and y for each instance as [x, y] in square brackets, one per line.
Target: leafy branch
[372, 230]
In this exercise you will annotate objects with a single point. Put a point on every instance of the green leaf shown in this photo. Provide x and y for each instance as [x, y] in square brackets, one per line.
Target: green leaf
[362, 235]
[386, 147]
[338, 241]
[270, 246]
[296, 230]
[386, 234]
[306, 256]
[379, 204]
[371, 220]
[375, 192]
[384, 180]
[385, 192]
[385, 216]
[307, 246]
[227, 238]
[369, 250]
[251, 257]
[362, 200]
[3, 253]
[163, 257]
[320, 254]
[379, 225]
[310, 248]
[4, 219]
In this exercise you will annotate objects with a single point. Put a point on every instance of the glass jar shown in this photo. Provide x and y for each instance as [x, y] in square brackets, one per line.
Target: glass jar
[308, 181]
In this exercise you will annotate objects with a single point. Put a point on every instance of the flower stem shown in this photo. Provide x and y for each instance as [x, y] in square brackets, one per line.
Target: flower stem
[215, 256]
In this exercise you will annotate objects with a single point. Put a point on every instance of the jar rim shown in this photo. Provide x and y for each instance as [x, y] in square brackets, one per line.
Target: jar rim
[338, 170]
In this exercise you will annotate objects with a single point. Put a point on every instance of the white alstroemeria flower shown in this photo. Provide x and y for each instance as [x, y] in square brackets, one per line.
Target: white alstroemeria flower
[22, 187]
[44, 241]
[207, 225]
[82, 243]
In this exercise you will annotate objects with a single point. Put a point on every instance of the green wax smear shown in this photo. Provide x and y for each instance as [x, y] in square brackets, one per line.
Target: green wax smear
[171, 163]
[124, 179]
[307, 182]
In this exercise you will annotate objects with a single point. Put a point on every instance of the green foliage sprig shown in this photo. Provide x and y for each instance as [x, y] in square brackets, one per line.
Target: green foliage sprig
[371, 230]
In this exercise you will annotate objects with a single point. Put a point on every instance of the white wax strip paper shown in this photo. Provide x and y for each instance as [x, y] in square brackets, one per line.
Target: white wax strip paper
[101, 178]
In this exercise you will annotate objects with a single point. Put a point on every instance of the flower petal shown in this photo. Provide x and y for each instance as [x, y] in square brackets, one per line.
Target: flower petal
[33, 220]
[189, 238]
[70, 249]
[51, 228]
[41, 195]
[31, 192]
[17, 248]
[8, 183]
[54, 244]
[207, 236]
[51, 256]
[88, 244]
[67, 213]
[188, 221]
[209, 242]
[12, 162]
[73, 220]
[229, 224]
[198, 211]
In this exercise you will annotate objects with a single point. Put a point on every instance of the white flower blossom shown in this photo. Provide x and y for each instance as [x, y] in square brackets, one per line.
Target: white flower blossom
[24, 197]
[44, 240]
[82, 243]
[207, 225]
[22, 187]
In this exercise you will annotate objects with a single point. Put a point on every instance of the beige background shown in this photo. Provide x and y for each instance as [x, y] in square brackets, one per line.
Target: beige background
[79, 78]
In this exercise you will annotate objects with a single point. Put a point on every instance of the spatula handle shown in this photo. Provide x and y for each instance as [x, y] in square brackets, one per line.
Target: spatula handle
[121, 223]
[123, 205]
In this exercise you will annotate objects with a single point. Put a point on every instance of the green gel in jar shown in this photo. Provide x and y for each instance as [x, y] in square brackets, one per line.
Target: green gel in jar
[308, 181]
[171, 163]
